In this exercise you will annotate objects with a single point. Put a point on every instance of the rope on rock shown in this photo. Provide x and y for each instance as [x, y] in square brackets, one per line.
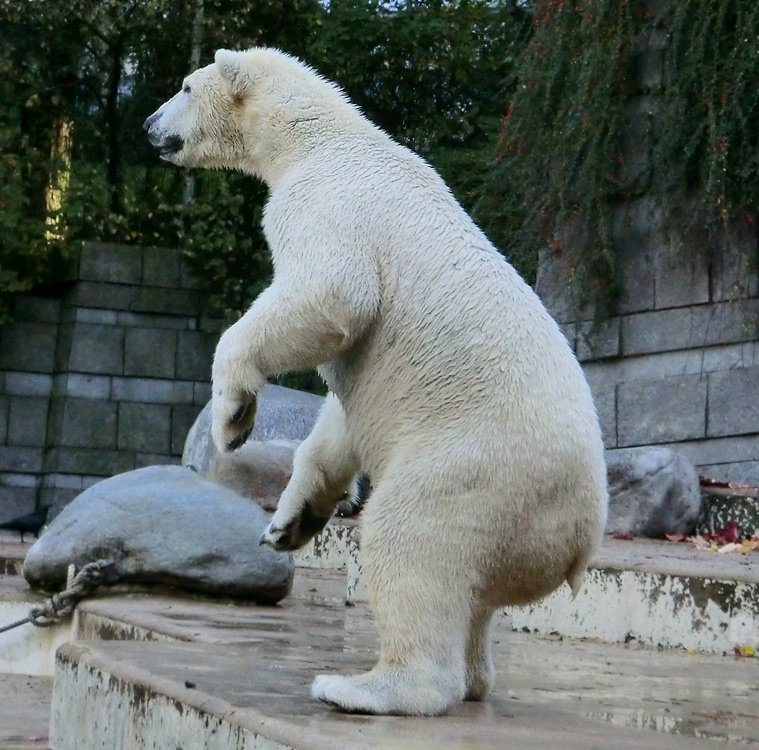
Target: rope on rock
[60, 606]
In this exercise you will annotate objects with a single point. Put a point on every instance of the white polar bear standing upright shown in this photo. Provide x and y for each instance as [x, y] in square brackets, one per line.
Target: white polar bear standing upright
[452, 387]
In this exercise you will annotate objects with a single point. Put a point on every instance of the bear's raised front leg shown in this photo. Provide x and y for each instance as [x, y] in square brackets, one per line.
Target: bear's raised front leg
[323, 469]
[282, 332]
[480, 673]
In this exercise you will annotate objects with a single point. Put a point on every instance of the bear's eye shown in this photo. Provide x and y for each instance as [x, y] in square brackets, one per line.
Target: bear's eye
[186, 89]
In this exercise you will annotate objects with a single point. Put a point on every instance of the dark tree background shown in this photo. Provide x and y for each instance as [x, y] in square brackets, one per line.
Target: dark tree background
[77, 79]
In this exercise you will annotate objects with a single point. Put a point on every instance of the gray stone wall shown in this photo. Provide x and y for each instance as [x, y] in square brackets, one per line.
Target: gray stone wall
[679, 364]
[104, 376]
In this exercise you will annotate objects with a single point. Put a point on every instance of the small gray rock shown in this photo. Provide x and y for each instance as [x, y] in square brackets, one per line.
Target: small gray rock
[164, 525]
[259, 470]
[652, 492]
[281, 414]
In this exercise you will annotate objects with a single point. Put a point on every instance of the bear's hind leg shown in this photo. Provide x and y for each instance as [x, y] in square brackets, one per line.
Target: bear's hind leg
[480, 673]
[423, 615]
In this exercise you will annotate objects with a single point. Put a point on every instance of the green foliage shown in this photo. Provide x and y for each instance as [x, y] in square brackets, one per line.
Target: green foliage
[433, 74]
[430, 72]
[618, 100]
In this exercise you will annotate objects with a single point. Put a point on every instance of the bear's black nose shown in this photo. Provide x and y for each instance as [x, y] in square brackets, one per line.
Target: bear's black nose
[146, 125]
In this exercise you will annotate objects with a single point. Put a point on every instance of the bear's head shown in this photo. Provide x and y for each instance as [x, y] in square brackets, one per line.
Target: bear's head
[200, 126]
[256, 110]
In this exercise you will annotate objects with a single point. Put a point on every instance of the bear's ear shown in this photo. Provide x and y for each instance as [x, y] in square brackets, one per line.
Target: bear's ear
[230, 65]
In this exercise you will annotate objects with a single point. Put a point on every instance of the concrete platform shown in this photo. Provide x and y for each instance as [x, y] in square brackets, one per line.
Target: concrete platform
[24, 711]
[156, 671]
[222, 676]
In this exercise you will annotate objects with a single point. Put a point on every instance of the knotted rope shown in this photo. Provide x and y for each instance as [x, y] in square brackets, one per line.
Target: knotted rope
[60, 606]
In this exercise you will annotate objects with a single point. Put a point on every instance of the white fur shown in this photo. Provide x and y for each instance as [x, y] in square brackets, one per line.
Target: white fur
[453, 388]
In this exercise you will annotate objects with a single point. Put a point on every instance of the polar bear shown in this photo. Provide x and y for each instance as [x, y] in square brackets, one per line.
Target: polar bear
[451, 386]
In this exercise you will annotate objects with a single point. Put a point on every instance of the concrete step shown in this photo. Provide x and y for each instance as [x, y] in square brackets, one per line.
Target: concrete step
[657, 593]
[219, 676]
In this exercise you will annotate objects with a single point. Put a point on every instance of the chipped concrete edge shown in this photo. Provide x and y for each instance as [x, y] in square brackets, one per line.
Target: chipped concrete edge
[103, 702]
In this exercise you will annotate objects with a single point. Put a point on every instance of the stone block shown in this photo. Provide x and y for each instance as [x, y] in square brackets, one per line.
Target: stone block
[115, 264]
[149, 320]
[37, 309]
[4, 408]
[182, 419]
[101, 295]
[20, 480]
[68, 481]
[28, 347]
[150, 352]
[741, 472]
[160, 267]
[605, 398]
[27, 420]
[598, 339]
[16, 501]
[661, 411]
[96, 349]
[690, 327]
[735, 270]
[557, 287]
[101, 463]
[682, 277]
[144, 428]
[195, 354]
[659, 331]
[733, 402]
[99, 317]
[28, 384]
[18, 459]
[721, 450]
[165, 301]
[635, 234]
[80, 385]
[85, 423]
[152, 391]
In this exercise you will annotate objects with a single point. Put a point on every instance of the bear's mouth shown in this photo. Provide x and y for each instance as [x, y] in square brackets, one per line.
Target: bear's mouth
[170, 146]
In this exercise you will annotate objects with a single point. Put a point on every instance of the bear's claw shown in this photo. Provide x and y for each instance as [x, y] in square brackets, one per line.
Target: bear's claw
[296, 532]
[236, 442]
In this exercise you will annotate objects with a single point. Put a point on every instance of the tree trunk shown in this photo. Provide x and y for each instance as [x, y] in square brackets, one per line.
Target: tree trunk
[112, 125]
[196, 42]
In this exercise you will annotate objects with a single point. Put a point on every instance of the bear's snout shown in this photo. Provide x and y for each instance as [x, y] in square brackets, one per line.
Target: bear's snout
[166, 144]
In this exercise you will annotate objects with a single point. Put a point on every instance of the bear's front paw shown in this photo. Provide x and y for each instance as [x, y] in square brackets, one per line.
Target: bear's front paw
[232, 420]
[295, 533]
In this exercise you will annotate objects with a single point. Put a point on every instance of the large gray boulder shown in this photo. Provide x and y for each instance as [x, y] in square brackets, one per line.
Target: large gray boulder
[164, 525]
[652, 492]
[281, 414]
[258, 470]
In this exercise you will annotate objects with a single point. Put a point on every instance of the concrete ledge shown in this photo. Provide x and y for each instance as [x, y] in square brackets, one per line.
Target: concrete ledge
[241, 683]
